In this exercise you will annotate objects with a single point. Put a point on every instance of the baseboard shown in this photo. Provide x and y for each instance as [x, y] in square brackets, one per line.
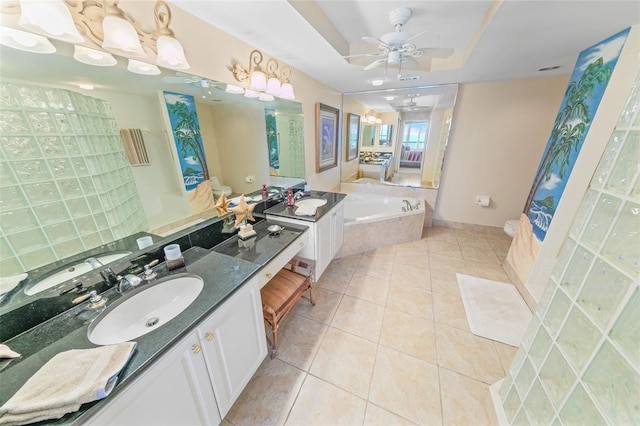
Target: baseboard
[468, 226]
[497, 402]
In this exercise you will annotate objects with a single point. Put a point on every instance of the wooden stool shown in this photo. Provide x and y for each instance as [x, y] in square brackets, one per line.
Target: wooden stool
[282, 292]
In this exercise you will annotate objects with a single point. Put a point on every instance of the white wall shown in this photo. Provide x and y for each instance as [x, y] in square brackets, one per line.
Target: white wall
[498, 133]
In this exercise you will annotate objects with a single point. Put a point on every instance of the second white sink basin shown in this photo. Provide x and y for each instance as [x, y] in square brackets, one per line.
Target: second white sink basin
[311, 202]
[145, 310]
[72, 271]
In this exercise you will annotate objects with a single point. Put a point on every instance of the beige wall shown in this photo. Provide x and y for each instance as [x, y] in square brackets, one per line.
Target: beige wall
[498, 133]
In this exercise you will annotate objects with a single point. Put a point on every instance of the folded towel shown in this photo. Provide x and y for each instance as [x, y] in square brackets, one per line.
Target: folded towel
[67, 381]
[9, 283]
[6, 352]
[306, 210]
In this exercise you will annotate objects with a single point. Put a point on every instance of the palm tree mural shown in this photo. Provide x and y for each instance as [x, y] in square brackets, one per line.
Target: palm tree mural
[570, 127]
[186, 131]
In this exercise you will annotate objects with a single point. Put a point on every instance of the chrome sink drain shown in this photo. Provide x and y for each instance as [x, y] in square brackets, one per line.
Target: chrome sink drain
[152, 321]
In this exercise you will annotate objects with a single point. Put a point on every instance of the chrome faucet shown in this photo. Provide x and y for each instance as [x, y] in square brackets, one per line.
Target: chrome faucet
[408, 205]
[128, 282]
[298, 195]
[93, 262]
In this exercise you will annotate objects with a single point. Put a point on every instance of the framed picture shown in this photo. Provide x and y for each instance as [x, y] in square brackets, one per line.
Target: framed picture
[353, 136]
[326, 137]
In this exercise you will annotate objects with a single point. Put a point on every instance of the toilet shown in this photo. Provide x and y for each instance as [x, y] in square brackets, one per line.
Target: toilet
[219, 189]
[510, 227]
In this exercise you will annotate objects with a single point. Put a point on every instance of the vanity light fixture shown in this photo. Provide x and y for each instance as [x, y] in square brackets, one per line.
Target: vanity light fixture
[265, 97]
[143, 68]
[248, 93]
[257, 78]
[259, 81]
[236, 90]
[170, 51]
[119, 34]
[274, 87]
[50, 18]
[371, 117]
[105, 24]
[23, 40]
[286, 88]
[93, 57]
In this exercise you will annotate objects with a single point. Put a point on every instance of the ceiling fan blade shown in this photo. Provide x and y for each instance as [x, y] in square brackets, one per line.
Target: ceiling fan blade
[410, 59]
[174, 80]
[434, 52]
[416, 36]
[363, 54]
[375, 63]
[376, 42]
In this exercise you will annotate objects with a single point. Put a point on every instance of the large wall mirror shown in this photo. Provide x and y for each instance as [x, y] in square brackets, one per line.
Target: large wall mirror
[413, 134]
[247, 143]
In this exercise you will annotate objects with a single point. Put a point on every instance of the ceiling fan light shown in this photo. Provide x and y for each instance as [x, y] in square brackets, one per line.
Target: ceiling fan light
[258, 80]
[51, 18]
[143, 68]
[25, 41]
[236, 90]
[93, 57]
[286, 91]
[120, 37]
[274, 87]
[171, 53]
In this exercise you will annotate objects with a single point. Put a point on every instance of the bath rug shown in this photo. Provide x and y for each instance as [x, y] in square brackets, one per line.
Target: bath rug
[494, 310]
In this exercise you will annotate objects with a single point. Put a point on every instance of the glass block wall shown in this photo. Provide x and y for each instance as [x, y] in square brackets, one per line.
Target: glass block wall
[65, 183]
[579, 362]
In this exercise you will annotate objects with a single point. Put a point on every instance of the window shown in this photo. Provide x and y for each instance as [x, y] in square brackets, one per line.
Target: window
[385, 135]
[415, 135]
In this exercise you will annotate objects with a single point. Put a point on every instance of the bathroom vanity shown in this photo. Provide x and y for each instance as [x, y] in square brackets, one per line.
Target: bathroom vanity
[325, 228]
[192, 368]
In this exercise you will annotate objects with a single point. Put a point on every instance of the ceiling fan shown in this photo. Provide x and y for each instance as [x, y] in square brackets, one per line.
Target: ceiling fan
[411, 106]
[395, 47]
[204, 84]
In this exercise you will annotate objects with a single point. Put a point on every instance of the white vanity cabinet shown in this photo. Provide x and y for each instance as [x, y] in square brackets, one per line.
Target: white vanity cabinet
[325, 236]
[198, 379]
[234, 344]
[175, 390]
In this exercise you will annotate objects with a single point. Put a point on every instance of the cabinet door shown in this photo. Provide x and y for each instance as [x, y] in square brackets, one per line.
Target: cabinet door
[174, 390]
[324, 246]
[337, 228]
[234, 343]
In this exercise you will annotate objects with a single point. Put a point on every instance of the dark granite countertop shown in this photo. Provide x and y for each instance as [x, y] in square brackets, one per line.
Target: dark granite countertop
[224, 269]
[283, 210]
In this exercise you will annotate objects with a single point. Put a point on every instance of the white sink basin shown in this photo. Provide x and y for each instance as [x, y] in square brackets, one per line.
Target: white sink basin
[70, 272]
[311, 202]
[145, 310]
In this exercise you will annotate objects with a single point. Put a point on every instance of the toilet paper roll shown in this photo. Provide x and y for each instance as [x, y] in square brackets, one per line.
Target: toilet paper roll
[483, 200]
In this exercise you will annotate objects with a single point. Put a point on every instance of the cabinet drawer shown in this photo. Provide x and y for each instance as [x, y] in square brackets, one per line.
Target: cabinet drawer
[272, 268]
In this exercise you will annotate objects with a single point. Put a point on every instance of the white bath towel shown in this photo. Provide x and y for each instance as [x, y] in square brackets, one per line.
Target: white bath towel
[306, 210]
[67, 381]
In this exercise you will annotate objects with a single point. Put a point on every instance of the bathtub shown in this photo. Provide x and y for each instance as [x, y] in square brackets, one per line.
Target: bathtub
[375, 221]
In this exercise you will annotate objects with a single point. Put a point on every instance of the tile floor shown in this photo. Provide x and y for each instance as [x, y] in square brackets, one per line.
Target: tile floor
[387, 342]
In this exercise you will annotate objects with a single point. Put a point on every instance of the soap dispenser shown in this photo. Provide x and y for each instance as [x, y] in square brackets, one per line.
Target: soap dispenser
[290, 197]
[265, 193]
